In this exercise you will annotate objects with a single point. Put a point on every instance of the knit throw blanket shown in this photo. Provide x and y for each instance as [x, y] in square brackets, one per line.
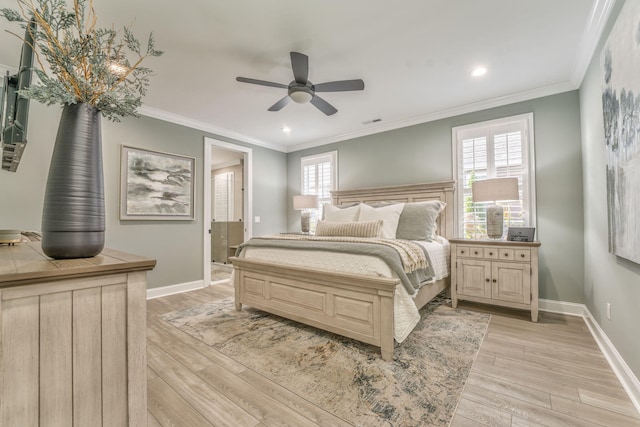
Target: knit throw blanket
[412, 255]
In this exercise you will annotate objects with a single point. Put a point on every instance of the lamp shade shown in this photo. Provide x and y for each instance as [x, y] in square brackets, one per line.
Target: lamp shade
[495, 189]
[300, 96]
[305, 201]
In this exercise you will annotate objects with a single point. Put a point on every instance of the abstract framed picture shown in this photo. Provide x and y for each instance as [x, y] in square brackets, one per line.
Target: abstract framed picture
[156, 186]
[621, 109]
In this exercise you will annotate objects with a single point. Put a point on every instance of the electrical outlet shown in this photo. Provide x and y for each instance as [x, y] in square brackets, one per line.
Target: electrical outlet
[608, 311]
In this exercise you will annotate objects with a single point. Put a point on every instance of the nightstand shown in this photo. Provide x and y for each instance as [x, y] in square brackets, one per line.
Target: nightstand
[495, 272]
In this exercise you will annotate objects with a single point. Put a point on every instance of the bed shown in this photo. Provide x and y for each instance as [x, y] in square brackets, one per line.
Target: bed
[357, 306]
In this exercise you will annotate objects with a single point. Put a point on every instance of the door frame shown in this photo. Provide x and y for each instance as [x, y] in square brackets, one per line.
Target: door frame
[247, 181]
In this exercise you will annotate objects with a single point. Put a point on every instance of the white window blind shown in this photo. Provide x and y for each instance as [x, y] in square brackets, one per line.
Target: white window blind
[319, 176]
[223, 196]
[495, 149]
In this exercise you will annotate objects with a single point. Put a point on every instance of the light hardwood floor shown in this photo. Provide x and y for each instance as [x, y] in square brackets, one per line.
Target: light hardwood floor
[549, 373]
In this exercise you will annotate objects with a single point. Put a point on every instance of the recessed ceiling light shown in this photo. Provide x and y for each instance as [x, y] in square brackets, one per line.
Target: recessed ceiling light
[479, 71]
[286, 129]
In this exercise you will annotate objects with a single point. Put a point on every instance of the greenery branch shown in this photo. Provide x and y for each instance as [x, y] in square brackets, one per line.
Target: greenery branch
[86, 64]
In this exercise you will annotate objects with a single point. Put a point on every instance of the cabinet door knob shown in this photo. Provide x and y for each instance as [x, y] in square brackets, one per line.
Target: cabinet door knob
[494, 280]
[475, 252]
[487, 279]
[461, 252]
[522, 255]
[490, 253]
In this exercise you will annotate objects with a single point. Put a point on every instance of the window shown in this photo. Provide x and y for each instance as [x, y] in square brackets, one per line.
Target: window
[319, 176]
[494, 149]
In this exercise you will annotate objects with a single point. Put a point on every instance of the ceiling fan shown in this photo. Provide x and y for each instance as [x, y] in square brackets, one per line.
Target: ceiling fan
[301, 90]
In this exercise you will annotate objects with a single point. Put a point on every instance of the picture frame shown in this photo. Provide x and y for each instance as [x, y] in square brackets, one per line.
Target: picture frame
[155, 185]
[521, 234]
[620, 60]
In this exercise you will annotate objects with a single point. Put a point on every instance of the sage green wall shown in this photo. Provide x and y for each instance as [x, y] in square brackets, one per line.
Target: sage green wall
[608, 279]
[176, 245]
[423, 153]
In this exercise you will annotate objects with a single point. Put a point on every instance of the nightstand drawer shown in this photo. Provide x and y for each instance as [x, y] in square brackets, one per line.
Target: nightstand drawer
[491, 253]
[522, 255]
[469, 252]
[506, 254]
[462, 251]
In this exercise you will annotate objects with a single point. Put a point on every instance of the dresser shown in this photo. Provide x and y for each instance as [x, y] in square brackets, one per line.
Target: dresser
[495, 272]
[72, 338]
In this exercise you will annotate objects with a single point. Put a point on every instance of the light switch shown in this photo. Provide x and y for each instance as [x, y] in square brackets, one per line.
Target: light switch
[256, 220]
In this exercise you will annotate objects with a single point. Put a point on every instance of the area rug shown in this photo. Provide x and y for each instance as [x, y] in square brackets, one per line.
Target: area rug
[420, 387]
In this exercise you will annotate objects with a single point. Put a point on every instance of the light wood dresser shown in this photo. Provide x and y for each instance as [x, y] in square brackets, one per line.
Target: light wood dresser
[495, 272]
[72, 338]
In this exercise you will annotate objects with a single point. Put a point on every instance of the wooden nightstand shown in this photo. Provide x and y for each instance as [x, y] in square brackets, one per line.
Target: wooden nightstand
[495, 272]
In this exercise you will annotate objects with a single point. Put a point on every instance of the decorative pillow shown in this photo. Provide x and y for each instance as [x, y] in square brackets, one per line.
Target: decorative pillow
[418, 220]
[341, 214]
[350, 229]
[390, 215]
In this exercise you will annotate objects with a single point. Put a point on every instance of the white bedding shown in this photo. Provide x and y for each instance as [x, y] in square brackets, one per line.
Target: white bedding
[406, 314]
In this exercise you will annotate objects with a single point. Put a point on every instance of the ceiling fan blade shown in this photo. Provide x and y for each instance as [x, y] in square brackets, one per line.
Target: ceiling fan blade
[323, 105]
[339, 86]
[280, 104]
[300, 65]
[261, 82]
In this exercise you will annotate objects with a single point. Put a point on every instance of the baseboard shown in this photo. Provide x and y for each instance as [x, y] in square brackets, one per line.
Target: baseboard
[620, 368]
[174, 289]
[626, 377]
[562, 307]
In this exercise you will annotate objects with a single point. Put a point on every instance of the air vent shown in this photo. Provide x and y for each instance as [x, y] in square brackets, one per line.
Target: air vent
[368, 122]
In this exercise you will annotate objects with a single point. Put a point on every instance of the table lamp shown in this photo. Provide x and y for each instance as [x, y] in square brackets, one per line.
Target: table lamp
[303, 203]
[494, 190]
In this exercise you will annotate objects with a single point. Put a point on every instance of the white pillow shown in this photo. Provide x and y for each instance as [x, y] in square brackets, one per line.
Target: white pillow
[390, 215]
[336, 214]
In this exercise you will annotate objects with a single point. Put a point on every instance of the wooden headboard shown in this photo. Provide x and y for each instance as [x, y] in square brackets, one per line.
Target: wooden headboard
[442, 191]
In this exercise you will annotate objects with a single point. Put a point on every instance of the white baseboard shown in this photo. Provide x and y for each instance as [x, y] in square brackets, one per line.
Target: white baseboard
[174, 289]
[620, 368]
[562, 307]
[626, 377]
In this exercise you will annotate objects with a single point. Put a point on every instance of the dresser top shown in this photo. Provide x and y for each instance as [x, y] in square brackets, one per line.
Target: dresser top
[25, 263]
[492, 242]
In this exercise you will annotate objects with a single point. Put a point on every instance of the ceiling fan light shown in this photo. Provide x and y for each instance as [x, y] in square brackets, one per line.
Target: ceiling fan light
[300, 96]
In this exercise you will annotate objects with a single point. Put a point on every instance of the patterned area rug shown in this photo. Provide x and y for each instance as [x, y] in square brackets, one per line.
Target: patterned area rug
[421, 387]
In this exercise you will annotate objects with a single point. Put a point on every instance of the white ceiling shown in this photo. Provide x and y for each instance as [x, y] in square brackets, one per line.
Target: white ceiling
[415, 58]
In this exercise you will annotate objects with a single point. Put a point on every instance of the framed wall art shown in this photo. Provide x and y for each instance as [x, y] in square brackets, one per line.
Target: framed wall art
[621, 109]
[156, 186]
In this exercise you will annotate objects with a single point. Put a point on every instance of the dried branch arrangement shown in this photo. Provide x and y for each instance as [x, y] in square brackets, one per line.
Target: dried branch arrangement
[84, 64]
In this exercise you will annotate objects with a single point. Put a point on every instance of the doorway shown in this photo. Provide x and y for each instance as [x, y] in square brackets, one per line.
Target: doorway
[227, 205]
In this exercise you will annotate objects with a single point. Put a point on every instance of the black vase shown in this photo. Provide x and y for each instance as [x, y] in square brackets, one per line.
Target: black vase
[73, 214]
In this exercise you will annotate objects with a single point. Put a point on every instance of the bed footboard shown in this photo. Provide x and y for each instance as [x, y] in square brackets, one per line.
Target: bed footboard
[350, 305]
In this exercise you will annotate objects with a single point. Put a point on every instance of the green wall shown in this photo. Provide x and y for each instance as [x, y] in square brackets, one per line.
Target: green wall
[608, 279]
[176, 245]
[423, 153]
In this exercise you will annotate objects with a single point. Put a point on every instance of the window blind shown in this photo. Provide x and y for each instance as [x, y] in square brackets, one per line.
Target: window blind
[319, 177]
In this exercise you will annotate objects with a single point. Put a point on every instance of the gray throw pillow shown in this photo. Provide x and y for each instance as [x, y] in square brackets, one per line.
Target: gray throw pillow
[418, 220]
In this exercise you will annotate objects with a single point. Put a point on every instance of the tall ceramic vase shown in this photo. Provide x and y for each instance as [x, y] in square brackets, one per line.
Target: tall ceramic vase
[73, 216]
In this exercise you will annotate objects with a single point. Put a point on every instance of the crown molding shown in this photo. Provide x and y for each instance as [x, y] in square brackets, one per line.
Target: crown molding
[590, 38]
[442, 114]
[206, 127]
